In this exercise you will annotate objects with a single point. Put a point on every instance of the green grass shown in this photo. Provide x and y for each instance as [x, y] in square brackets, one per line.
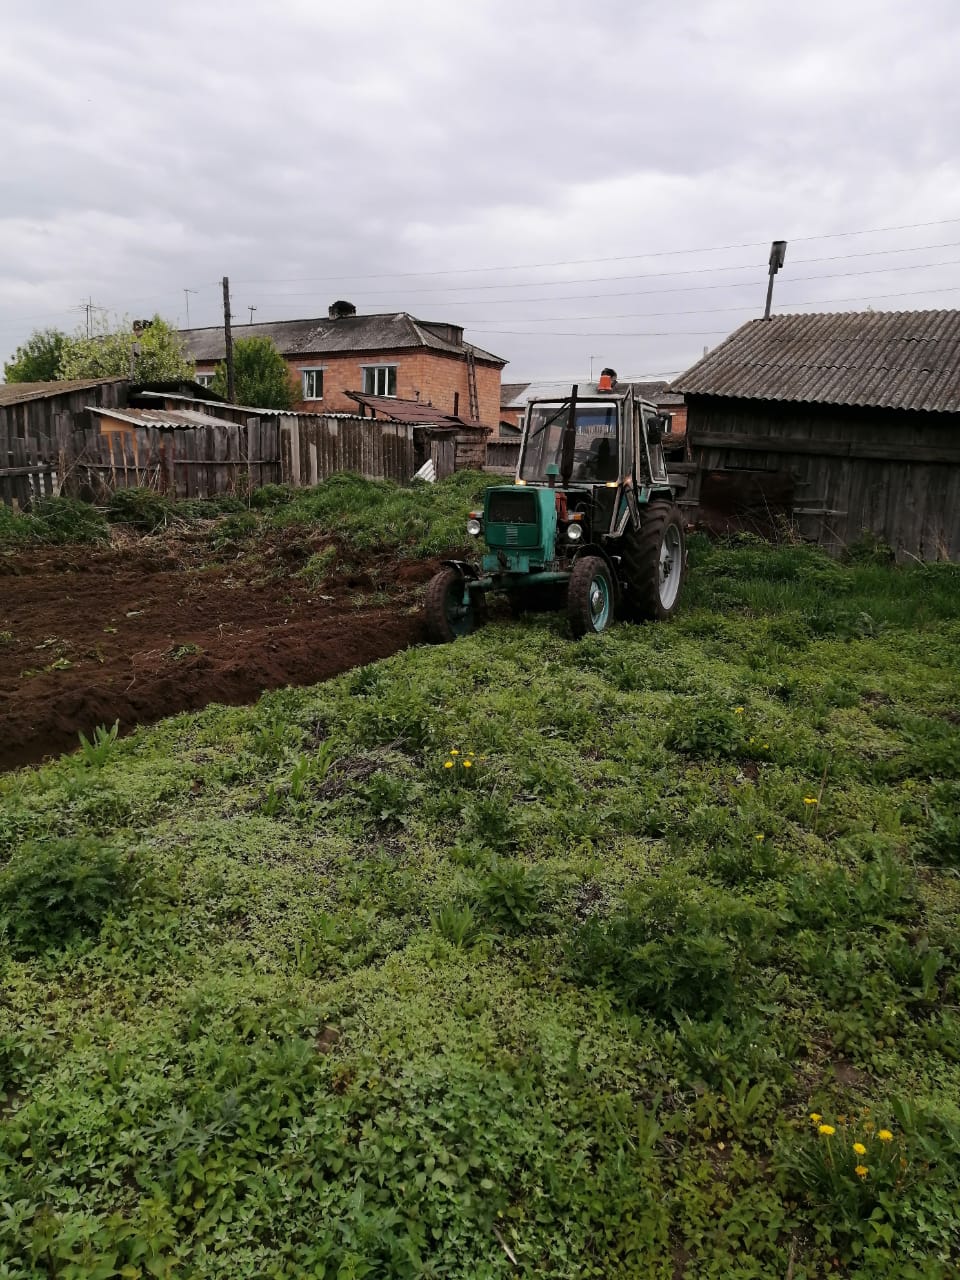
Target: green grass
[313, 1003]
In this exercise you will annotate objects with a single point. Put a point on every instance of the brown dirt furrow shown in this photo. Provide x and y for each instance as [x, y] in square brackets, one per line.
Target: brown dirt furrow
[86, 639]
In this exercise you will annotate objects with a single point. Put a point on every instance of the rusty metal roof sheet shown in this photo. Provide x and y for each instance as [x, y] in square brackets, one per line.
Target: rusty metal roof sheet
[879, 359]
[375, 333]
[18, 392]
[414, 412]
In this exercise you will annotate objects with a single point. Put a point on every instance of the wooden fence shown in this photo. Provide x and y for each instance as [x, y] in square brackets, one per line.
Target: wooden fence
[314, 446]
[185, 462]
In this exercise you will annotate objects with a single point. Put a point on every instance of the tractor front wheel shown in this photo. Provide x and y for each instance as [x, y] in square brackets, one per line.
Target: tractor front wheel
[655, 558]
[589, 597]
[448, 607]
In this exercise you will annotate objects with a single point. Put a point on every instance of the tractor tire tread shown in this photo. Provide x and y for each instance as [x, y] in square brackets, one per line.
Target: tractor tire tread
[640, 551]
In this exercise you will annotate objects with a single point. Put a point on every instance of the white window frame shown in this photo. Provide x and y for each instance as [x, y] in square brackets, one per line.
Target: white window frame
[376, 370]
[204, 379]
[314, 369]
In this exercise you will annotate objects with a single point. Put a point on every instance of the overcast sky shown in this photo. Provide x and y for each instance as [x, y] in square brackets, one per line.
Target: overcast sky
[566, 180]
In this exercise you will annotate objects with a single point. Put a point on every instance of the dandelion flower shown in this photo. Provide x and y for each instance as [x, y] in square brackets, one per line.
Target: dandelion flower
[885, 1135]
[454, 751]
[827, 1130]
[861, 1171]
[766, 746]
[859, 1149]
[760, 836]
[810, 800]
[448, 764]
[468, 764]
[816, 1117]
[738, 711]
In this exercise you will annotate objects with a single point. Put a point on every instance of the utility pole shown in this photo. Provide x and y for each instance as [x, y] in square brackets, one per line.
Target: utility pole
[186, 294]
[89, 309]
[228, 336]
[778, 252]
[592, 358]
[251, 310]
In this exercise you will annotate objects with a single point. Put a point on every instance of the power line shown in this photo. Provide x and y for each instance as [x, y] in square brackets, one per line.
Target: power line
[684, 333]
[624, 257]
[646, 275]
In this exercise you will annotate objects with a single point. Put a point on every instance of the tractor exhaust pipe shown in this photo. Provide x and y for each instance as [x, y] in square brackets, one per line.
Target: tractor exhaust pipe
[569, 439]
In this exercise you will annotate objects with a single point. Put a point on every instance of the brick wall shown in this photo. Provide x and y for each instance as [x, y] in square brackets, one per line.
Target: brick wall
[437, 377]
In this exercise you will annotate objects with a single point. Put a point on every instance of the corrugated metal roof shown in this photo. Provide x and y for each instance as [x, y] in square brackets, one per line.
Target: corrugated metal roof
[414, 412]
[293, 338]
[514, 395]
[167, 418]
[19, 392]
[879, 359]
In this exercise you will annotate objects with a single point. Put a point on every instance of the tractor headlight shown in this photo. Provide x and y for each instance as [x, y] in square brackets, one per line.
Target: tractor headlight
[574, 533]
[474, 527]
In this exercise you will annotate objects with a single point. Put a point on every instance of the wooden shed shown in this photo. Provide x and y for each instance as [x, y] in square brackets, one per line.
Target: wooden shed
[842, 425]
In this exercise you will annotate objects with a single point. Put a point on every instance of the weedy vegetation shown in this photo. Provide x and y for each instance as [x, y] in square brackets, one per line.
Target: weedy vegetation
[631, 957]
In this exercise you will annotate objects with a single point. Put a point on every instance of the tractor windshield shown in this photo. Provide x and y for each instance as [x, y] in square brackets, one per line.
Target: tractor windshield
[596, 452]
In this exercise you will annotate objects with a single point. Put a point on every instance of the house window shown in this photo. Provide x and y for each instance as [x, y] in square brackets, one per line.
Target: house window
[380, 380]
[312, 384]
[204, 379]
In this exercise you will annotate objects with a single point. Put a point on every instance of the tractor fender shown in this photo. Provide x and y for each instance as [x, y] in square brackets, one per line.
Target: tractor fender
[464, 569]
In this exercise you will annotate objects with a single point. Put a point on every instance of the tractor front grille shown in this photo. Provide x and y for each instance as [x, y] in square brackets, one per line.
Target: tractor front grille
[511, 507]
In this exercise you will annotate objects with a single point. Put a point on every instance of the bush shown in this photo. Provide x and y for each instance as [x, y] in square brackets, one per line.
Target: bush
[61, 520]
[54, 890]
[143, 509]
[270, 495]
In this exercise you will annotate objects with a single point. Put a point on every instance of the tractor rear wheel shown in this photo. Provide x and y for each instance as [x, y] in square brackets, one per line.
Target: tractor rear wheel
[590, 597]
[449, 611]
[654, 557]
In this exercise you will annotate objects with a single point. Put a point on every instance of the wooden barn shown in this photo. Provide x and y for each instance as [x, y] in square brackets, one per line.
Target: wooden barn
[840, 425]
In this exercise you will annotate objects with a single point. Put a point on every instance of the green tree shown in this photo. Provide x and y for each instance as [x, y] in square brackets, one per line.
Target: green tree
[260, 373]
[38, 359]
[107, 354]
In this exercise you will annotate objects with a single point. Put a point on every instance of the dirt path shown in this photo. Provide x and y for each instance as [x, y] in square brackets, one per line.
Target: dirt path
[139, 631]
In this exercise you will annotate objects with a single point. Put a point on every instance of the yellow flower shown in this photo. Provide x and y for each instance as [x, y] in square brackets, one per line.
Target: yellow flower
[861, 1171]
[810, 800]
[454, 751]
[738, 711]
[859, 1149]
[448, 764]
[760, 836]
[766, 746]
[885, 1135]
[816, 1117]
[468, 764]
[827, 1130]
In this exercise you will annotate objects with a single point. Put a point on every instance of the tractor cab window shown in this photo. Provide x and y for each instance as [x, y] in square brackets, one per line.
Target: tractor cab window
[596, 448]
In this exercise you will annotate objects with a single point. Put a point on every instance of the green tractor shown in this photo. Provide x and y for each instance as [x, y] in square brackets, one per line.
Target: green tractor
[590, 522]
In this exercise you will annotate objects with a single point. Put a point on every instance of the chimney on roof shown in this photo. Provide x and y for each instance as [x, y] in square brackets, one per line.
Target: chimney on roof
[338, 310]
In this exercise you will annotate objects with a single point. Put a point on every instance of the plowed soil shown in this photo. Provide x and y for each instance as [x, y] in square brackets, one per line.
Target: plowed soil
[144, 628]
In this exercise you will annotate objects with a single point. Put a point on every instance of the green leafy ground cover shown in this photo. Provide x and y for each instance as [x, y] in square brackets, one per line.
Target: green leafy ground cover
[513, 957]
[366, 515]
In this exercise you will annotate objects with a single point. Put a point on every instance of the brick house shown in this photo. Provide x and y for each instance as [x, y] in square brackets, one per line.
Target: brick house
[393, 355]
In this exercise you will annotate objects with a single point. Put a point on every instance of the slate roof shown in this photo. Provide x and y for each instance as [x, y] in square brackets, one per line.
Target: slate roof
[324, 336]
[18, 392]
[878, 359]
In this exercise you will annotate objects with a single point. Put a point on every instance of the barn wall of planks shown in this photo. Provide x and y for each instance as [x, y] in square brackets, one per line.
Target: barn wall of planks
[36, 438]
[835, 472]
